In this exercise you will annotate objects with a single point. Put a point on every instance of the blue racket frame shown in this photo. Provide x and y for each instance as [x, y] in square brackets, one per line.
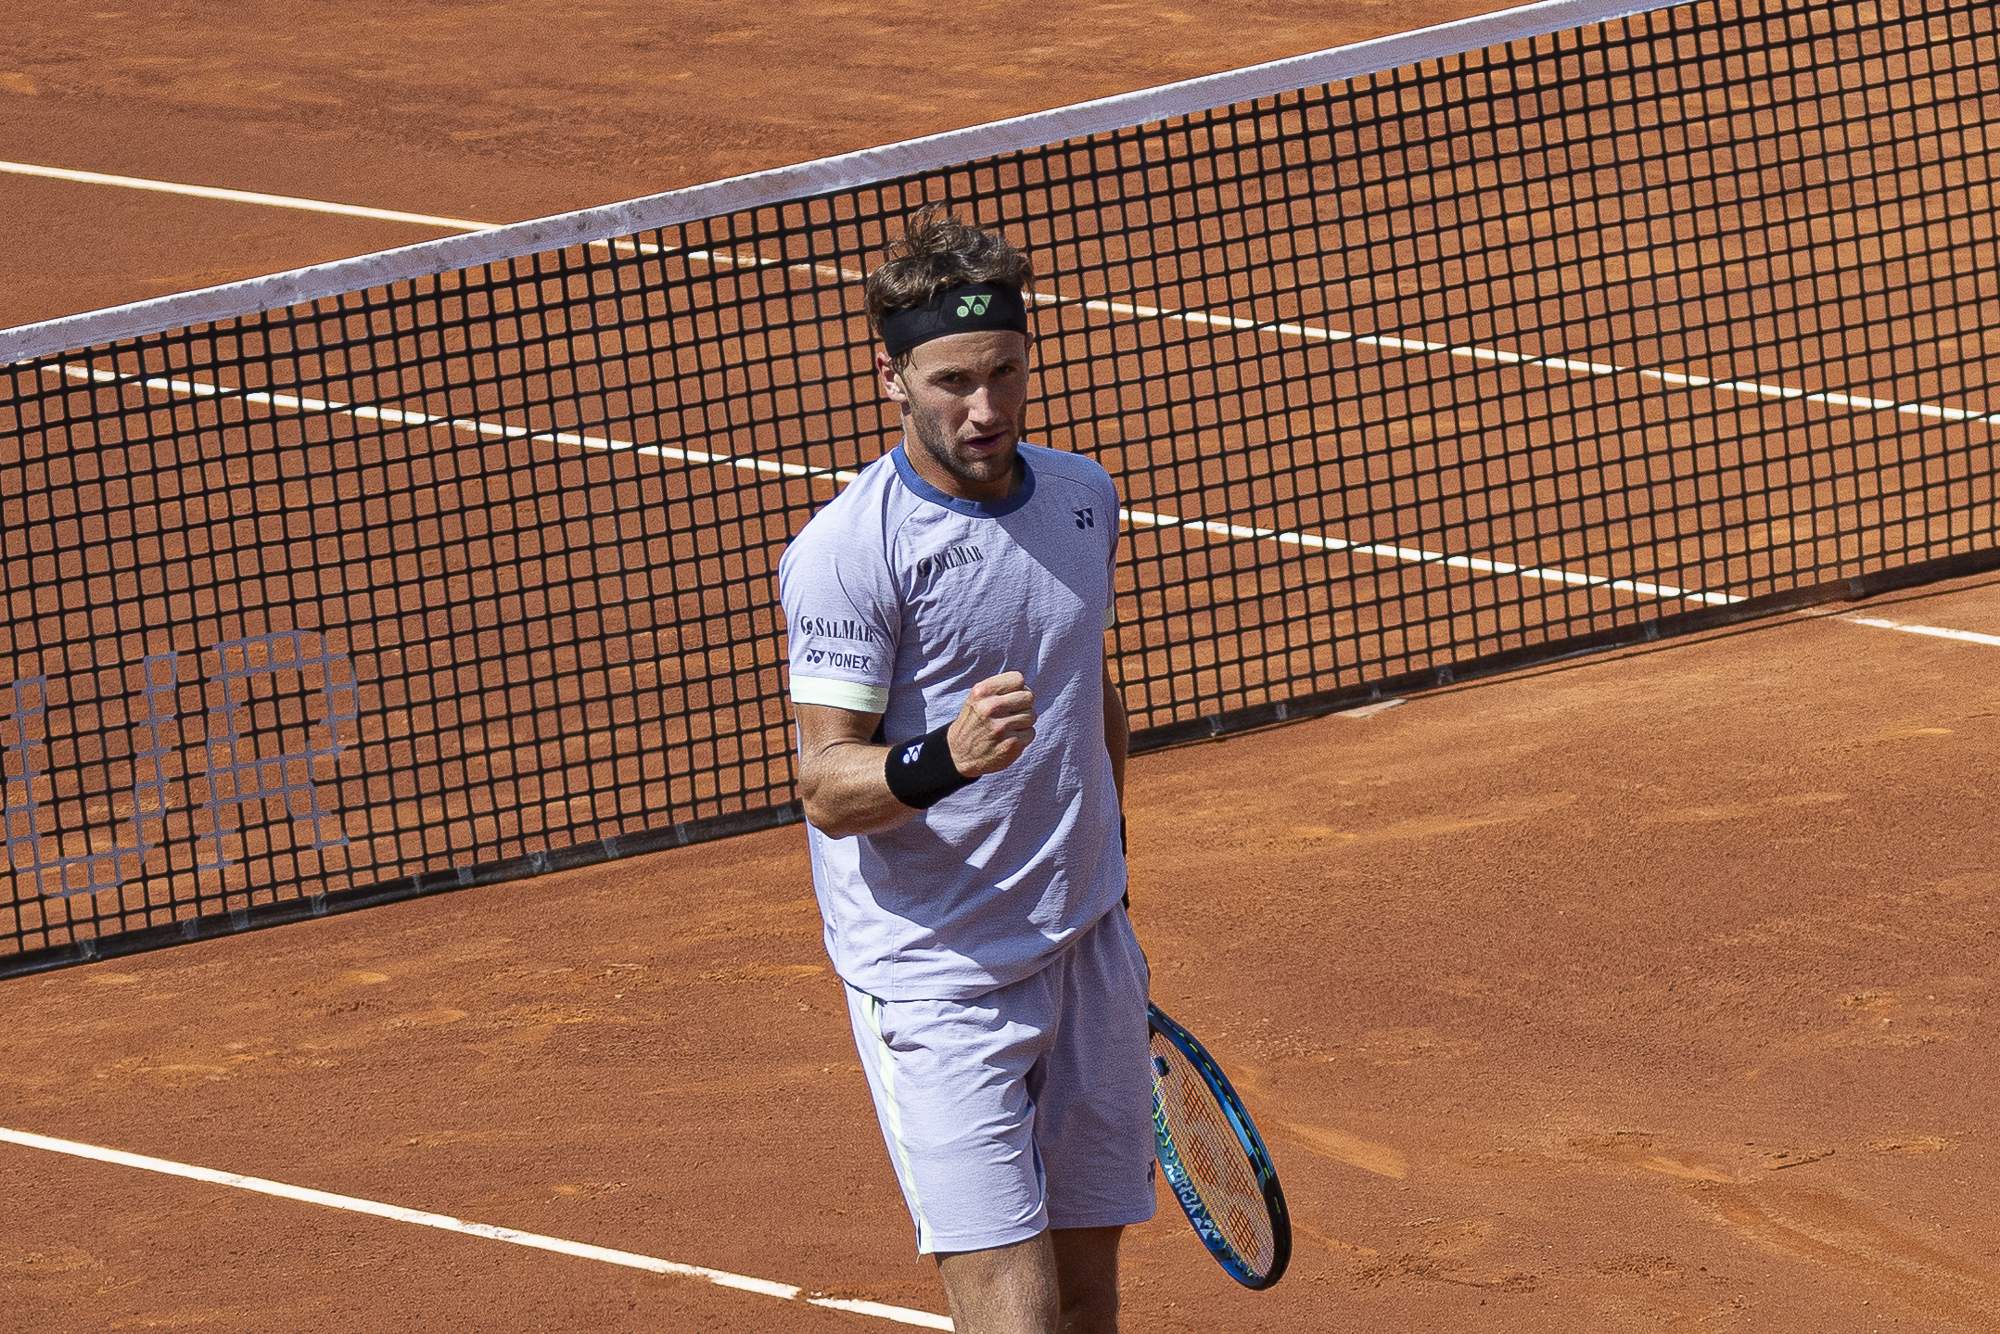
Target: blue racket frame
[1253, 1148]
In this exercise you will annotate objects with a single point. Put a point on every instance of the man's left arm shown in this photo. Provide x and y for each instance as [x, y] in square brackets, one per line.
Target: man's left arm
[1117, 732]
[1117, 727]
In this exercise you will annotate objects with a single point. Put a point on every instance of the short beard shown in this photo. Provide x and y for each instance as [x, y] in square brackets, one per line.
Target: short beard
[971, 472]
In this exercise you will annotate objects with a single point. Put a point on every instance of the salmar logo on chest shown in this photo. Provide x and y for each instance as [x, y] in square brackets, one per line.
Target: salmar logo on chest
[951, 558]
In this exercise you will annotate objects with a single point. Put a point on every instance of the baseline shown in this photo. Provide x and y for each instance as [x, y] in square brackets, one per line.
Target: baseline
[446, 1223]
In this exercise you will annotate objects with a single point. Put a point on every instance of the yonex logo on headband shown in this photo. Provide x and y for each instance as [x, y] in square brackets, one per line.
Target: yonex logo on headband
[965, 308]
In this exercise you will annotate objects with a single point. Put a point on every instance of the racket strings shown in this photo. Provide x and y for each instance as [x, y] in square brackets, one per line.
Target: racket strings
[1217, 1167]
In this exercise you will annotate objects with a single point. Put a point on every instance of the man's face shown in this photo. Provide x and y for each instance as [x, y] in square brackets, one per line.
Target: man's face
[962, 397]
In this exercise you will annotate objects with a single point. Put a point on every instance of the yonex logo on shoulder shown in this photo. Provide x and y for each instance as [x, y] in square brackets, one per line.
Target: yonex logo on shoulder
[854, 662]
[1085, 517]
[974, 304]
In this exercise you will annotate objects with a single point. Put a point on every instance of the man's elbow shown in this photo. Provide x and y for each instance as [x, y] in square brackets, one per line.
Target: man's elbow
[822, 814]
[826, 821]
[813, 801]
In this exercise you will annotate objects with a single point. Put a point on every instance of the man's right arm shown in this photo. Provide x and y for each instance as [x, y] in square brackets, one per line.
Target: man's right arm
[843, 776]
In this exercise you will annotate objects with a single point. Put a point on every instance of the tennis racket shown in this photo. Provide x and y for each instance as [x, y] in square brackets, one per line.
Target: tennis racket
[1214, 1159]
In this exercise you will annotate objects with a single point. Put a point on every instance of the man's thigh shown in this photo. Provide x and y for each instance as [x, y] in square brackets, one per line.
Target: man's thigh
[1094, 1090]
[950, 1081]
[1025, 1108]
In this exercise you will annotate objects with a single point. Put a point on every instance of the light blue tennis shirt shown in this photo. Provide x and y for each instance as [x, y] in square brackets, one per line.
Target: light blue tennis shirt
[899, 599]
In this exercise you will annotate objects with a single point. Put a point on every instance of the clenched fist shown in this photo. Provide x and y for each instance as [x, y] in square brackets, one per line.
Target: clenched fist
[995, 725]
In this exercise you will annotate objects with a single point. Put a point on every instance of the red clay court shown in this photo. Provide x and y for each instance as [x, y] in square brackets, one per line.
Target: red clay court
[1628, 991]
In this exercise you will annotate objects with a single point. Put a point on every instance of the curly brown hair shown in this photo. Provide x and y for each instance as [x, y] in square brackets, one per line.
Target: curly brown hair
[935, 252]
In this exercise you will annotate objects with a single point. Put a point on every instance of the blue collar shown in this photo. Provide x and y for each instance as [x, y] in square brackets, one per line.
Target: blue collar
[983, 509]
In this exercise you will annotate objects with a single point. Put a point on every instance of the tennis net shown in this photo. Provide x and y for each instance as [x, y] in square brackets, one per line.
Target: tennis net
[1563, 327]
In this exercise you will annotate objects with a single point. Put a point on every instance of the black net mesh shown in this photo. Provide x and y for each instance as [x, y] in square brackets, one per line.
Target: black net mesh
[1583, 337]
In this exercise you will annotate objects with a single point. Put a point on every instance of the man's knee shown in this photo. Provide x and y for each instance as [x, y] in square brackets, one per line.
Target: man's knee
[1008, 1289]
[1091, 1310]
[1087, 1279]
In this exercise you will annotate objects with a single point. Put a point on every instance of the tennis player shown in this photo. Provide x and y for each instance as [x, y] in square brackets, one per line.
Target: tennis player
[961, 761]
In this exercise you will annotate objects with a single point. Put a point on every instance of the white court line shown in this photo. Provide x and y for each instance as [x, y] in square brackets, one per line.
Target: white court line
[1208, 319]
[1935, 632]
[1144, 518]
[1409, 346]
[444, 1222]
[243, 197]
[823, 176]
[401, 417]
[1235, 532]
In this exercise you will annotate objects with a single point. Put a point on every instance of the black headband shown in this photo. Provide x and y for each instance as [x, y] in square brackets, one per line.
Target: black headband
[967, 308]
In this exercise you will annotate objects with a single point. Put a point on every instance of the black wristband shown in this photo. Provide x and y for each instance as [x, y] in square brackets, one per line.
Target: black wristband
[920, 771]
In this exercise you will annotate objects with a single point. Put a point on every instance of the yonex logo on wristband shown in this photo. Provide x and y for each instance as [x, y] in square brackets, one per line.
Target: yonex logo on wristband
[920, 772]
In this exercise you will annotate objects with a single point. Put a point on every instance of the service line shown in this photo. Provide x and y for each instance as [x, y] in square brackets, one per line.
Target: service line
[445, 1223]
[1200, 318]
[1933, 631]
[1388, 551]
[1385, 551]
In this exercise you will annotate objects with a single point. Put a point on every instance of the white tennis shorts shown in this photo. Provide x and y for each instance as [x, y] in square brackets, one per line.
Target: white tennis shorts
[1028, 1107]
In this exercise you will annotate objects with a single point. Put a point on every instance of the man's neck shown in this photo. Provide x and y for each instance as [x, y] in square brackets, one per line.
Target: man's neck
[984, 493]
